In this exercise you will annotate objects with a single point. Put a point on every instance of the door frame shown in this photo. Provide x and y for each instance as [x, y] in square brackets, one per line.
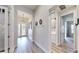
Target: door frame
[6, 31]
[66, 12]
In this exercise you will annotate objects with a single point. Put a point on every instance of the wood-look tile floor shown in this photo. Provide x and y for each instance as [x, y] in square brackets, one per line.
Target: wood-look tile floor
[66, 47]
[36, 49]
[24, 45]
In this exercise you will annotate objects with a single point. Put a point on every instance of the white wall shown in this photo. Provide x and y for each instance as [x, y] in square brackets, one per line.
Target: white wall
[77, 32]
[29, 32]
[41, 32]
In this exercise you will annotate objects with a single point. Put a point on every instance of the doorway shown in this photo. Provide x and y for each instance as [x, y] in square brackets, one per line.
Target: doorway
[24, 43]
[67, 31]
[22, 29]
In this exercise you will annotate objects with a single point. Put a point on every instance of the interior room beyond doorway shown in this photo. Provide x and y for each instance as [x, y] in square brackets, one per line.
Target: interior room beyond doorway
[24, 31]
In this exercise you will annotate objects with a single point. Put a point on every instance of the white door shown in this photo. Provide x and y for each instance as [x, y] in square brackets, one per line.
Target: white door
[3, 29]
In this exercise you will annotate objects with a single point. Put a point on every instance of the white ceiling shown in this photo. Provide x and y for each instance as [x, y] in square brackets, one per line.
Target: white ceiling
[31, 7]
[24, 17]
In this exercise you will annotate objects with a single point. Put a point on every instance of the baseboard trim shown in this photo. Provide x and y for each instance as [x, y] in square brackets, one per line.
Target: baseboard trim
[15, 49]
[2, 50]
[76, 51]
[22, 36]
[41, 48]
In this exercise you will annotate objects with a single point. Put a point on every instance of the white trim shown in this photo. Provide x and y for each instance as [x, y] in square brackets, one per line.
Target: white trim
[6, 30]
[41, 47]
[66, 12]
[12, 47]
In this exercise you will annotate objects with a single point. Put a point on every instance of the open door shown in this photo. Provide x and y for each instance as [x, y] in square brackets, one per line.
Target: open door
[3, 29]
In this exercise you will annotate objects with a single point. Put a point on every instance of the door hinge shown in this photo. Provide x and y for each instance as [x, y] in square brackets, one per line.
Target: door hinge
[8, 12]
[8, 36]
[8, 24]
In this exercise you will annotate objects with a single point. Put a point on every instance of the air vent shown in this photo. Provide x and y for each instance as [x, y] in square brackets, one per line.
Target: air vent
[62, 7]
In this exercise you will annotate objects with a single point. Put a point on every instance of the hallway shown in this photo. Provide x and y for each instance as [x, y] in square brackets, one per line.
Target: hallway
[39, 29]
[23, 45]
